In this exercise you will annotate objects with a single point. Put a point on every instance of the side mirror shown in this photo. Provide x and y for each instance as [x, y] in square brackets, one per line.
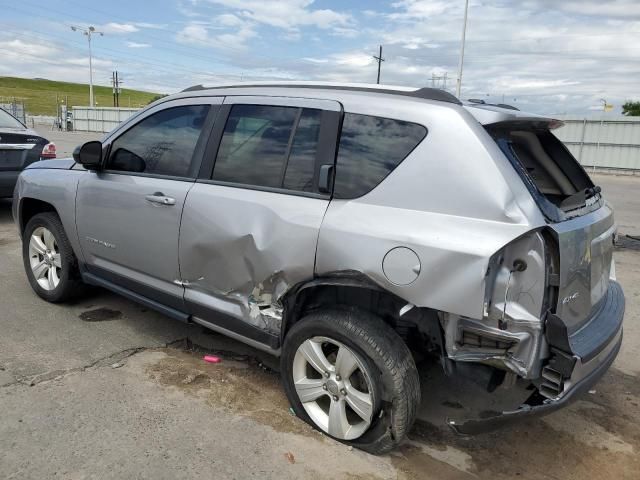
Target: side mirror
[89, 155]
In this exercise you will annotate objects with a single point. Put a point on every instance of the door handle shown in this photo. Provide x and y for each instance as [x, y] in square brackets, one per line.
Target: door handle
[160, 198]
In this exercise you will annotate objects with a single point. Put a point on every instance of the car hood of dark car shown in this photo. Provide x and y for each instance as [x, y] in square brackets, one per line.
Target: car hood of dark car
[18, 131]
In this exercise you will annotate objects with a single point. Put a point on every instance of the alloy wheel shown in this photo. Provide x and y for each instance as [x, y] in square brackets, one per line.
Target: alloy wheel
[44, 258]
[333, 387]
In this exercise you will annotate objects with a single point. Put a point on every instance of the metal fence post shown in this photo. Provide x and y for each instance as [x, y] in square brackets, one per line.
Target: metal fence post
[584, 128]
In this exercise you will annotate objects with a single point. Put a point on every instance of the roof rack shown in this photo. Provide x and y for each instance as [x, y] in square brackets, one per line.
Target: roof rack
[424, 93]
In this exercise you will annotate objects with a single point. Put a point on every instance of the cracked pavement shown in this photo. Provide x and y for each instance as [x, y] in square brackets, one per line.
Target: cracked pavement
[126, 397]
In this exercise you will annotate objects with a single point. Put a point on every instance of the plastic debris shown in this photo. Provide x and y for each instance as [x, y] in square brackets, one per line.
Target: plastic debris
[290, 458]
[117, 365]
[292, 412]
[592, 392]
[212, 359]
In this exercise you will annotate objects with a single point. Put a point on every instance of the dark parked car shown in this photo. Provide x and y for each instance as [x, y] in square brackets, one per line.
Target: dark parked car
[19, 147]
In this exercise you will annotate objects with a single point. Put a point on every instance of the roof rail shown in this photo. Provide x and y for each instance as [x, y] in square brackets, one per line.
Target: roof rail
[425, 93]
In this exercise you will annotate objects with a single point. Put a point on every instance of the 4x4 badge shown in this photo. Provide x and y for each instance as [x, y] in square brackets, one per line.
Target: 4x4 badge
[570, 298]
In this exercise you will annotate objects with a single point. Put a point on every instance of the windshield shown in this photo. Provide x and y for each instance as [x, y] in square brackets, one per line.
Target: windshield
[8, 121]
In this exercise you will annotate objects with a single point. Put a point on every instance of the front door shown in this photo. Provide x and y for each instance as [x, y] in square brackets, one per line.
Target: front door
[128, 214]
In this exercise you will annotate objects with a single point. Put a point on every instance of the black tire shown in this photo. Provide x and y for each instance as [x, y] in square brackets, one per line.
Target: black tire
[70, 284]
[387, 360]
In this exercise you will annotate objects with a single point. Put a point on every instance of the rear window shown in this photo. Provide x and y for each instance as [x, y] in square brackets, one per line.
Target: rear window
[370, 149]
[546, 165]
[8, 121]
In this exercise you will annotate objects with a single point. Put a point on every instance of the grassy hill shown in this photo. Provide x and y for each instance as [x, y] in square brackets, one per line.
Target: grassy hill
[39, 95]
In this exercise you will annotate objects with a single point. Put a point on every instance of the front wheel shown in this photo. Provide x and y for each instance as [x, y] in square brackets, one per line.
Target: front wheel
[49, 262]
[349, 375]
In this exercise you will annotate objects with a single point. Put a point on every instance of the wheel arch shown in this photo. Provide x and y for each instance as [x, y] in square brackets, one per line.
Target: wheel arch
[30, 207]
[353, 289]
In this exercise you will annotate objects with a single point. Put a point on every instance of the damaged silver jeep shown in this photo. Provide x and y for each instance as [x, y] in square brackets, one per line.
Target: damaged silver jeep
[347, 229]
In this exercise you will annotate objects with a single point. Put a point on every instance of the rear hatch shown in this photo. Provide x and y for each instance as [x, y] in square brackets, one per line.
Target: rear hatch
[579, 219]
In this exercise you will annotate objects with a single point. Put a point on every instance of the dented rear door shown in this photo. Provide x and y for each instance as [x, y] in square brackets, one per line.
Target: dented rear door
[250, 224]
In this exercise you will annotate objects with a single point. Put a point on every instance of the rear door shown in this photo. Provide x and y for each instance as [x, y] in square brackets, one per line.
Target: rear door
[251, 222]
[128, 215]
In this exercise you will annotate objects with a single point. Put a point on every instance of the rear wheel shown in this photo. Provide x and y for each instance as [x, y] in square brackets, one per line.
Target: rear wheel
[349, 375]
[49, 262]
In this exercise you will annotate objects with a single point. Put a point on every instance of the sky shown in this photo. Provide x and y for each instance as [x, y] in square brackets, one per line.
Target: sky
[543, 56]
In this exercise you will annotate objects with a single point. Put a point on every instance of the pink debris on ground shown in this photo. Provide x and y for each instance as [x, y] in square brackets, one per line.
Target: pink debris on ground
[212, 359]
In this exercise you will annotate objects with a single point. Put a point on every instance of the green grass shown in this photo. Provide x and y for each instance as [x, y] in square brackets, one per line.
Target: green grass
[40, 95]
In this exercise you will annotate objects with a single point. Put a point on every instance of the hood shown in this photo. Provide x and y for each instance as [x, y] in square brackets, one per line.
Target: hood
[55, 164]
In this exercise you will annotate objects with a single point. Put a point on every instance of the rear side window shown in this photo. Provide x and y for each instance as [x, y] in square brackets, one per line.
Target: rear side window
[161, 144]
[269, 146]
[370, 148]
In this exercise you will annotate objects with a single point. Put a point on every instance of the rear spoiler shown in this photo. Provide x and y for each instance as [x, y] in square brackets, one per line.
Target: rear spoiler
[499, 116]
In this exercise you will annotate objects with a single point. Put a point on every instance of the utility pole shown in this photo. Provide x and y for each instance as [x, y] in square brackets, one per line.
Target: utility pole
[88, 32]
[464, 34]
[379, 59]
[115, 82]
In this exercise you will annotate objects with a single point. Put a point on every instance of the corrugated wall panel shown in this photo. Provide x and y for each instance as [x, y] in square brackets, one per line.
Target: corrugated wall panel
[100, 119]
[606, 142]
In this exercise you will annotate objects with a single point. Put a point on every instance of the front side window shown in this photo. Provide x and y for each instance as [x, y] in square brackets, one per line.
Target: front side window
[370, 148]
[161, 144]
[269, 146]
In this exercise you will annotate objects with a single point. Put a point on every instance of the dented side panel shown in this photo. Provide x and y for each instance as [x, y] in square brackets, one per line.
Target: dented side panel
[241, 250]
[454, 201]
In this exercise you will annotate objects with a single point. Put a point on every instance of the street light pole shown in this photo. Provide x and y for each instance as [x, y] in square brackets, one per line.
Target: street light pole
[464, 34]
[88, 32]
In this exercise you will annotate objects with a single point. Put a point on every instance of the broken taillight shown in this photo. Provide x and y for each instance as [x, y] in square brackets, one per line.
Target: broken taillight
[49, 151]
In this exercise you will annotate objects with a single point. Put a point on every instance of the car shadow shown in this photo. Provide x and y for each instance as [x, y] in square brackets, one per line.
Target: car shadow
[5, 211]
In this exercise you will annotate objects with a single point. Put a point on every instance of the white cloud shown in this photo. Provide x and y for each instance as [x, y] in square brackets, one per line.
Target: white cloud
[193, 33]
[228, 20]
[197, 33]
[286, 14]
[118, 28]
[16, 48]
[138, 45]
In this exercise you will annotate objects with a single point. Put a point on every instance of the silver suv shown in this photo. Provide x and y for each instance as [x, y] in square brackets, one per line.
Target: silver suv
[347, 229]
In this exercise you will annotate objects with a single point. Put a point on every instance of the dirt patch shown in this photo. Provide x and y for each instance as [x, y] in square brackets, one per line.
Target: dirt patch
[239, 386]
[100, 315]
[7, 241]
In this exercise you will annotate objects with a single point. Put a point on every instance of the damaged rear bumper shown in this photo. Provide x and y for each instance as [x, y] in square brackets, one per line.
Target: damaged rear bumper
[586, 372]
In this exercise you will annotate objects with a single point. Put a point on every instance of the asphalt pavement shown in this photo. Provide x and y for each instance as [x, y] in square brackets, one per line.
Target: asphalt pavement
[105, 388]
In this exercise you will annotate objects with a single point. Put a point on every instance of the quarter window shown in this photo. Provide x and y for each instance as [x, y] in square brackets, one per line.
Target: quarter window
[370, 148]
[161, 144]
[269, 146]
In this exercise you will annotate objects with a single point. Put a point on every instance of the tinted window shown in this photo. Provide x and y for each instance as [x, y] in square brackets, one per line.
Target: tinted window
[258, 148]
[370, 148]
[162, 143]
